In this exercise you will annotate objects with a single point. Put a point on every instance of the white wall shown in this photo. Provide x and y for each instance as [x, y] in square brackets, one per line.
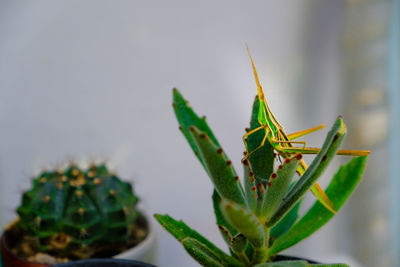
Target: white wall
[93, 79]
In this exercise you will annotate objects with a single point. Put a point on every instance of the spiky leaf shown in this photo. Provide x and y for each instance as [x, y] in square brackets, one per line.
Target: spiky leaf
[219, 216]
[186, 118]
[181, 232]
[220, 170]
[226, 235]
[250, 186]
[278, 185]
[201, 253]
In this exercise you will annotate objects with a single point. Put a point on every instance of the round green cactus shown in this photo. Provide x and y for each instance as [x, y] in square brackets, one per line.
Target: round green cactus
[75, 214]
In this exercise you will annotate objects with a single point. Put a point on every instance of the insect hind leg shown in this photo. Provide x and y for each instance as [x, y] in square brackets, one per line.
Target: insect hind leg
[291, 142]
[298, 134]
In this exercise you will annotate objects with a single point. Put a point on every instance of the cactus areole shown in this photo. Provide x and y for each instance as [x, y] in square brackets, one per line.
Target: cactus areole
[78, 214]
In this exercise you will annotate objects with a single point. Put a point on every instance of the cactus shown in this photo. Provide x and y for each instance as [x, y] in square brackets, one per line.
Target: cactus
[75, 214]
[261, 218]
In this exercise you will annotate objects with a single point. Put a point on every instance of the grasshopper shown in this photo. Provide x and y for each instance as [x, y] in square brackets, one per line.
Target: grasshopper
[284, 143]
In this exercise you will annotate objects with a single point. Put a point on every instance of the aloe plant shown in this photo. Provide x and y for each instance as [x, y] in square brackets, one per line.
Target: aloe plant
[259, 218]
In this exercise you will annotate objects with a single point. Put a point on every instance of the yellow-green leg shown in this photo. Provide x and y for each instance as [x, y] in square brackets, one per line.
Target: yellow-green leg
[298, 134]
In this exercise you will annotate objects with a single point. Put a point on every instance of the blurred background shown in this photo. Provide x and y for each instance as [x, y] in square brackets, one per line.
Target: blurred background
[92, 80]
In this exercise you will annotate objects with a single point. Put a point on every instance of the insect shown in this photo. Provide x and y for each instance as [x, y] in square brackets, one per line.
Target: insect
[284, 144]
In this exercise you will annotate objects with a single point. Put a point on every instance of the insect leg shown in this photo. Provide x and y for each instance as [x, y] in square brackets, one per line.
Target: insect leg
[298, 134]
[250, 133]
[314, 150]
[290, 142]
[260, 146]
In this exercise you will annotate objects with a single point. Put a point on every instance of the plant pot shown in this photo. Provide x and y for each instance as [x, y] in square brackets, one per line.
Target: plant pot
[105, 263]
[145, 251]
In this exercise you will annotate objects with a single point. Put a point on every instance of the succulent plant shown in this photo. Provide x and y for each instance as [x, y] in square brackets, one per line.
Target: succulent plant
[74, 214]
[259, 218]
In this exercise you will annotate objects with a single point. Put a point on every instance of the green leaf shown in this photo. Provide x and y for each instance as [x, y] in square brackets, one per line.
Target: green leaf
[278, 185]
[340, 188]
[261, 161]
[201, 253]
[186, 118]
[284, 225]
[220, 170]
[221, 221]
[239, 244]
[226, 235]
[244, 221]
[181, 232]
[250, 186]
[311, 175]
